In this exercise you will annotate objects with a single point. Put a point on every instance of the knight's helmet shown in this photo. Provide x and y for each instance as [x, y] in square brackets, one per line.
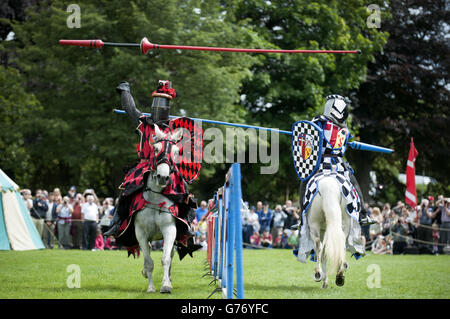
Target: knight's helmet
[161, 101]
[336, 108]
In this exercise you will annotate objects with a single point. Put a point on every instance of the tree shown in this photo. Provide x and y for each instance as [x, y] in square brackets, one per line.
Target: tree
[407, 95]
[18, 109]
[77, 140]
[287, 88]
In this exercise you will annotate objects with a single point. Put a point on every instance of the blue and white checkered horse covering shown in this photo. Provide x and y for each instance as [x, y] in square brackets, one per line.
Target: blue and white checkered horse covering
[350, 194]
[353, 207]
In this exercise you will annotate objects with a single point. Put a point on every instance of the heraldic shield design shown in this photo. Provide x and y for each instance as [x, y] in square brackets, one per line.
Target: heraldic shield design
[191, 146]
[307, 140]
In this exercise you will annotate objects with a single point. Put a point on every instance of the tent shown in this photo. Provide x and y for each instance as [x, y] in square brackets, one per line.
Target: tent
[17, 231]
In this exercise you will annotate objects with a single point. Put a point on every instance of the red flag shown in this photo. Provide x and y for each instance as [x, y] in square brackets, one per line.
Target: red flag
[410, 194]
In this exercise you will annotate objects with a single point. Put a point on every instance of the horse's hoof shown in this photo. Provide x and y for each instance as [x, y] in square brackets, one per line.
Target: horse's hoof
[165, 290]
[317, 276]
[151, 289]
[340, 280]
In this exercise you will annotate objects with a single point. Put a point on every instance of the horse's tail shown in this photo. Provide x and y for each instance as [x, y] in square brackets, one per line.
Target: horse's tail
[334, 238]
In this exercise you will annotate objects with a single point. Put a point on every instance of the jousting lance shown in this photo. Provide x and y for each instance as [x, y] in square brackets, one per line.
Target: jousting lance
[146, 46]
[355, 145]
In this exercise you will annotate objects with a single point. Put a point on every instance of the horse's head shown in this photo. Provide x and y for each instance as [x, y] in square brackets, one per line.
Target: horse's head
[166, 155]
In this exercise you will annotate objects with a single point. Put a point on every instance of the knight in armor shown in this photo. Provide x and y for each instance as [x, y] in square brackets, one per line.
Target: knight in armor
[134, 180]
[336, 134]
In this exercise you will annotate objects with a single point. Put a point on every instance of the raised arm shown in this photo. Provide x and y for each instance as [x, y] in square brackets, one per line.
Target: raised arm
[128, 102]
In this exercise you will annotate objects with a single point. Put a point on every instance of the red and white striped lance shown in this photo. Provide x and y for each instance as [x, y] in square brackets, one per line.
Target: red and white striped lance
[410, 193]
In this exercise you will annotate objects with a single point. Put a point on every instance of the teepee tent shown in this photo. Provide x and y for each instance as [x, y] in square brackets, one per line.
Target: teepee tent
[17, 231]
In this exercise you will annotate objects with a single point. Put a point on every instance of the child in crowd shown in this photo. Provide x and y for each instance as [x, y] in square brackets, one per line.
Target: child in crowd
[99, 243]
[266, 240]
[111, 243]
[255, 239]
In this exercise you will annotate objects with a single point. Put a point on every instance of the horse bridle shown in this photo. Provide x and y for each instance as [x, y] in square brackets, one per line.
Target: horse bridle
[162, 157]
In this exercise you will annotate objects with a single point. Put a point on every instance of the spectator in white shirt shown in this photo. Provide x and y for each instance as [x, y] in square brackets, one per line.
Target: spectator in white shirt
[64, 211]
[89, 213]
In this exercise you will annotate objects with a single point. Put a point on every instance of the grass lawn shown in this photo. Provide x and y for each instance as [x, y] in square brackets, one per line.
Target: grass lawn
[273, 274]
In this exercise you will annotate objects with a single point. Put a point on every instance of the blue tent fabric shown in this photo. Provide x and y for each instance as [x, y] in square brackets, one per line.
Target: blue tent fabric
[31, 229]
[4, 240]
[17, 230]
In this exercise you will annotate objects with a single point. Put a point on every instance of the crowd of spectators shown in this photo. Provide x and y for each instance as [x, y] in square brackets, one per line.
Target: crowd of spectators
[405, 229]
[71, 220]
[402, 229]
[78, 220]
[264, 227]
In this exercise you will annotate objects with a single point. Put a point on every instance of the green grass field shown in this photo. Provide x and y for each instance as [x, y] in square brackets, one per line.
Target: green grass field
[273, 274]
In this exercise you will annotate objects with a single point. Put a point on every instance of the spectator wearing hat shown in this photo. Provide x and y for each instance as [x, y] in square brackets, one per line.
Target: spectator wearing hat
[72, 192]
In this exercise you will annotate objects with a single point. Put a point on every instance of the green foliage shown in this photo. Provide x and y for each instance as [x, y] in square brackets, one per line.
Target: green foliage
[76, 86]
[67, 133]
[286, 88]
[407, 93]
[18, 109]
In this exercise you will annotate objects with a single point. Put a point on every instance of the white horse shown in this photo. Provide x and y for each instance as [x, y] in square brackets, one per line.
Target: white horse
[329, 227]
[154, 222]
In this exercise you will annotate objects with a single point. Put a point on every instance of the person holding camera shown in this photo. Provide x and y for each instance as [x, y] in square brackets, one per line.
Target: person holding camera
[443, 219]
[64, 222]
[50, 220]
[39, 211]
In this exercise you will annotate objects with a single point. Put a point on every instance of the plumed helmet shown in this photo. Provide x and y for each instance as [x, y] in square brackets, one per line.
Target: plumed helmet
[161, 101]
[336, 108]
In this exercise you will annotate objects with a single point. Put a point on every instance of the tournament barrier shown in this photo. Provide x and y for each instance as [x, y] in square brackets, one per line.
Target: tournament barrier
[224, 249]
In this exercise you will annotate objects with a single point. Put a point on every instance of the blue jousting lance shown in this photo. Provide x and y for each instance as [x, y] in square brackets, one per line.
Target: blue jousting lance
[355, 145]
